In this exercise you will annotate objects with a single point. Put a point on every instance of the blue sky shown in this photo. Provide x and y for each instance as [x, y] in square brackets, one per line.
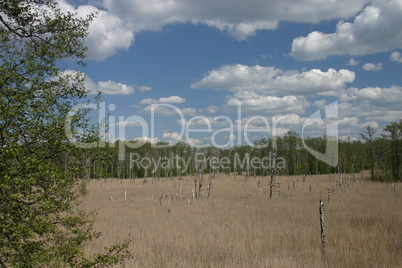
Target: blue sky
[278, 60]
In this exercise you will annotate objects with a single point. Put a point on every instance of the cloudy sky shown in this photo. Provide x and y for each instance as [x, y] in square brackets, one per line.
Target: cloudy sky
[225, 65]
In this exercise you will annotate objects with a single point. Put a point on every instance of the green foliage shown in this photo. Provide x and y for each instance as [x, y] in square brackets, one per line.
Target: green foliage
[38, 225]
[381, 154]
[367, 135]
[395, 153]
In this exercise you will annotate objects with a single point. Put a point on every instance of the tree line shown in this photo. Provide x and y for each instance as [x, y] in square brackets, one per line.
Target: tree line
[380, 154]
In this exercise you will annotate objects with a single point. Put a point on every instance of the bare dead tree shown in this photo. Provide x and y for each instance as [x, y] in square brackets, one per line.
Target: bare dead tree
[323, 237]
[273, 185]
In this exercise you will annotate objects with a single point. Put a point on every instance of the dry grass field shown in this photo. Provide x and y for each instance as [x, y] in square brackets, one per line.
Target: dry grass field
[239, 226]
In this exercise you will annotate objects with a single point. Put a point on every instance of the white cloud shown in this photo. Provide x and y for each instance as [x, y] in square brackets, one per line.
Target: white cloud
[348, 121]
[170, 110]
[371, 124]
[396, 56]
[290, 119]
[381, 96]
[147, 140]
[281, 131]
[206, 122]
[144, 88]
[350, 126]
[108, 87]
[212, 109]
[375, 29]
[243, 30]
[353, 62]
[255, 103]
[388, 98]
[371, 104]
[107, 33]
[372, 67]
[171, 135]
[231, 137]
[189, 111]
[278, 125]
[320, 104]
[194, 141]
[234, 17]
[171, 99]
[105, 87]
[118, 21]
[270, 80]
[384, 116]
[129, 124]
[113, 88]
[161, 110]
[271, 91]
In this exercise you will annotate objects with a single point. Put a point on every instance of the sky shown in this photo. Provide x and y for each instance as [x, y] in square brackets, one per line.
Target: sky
[228, 72]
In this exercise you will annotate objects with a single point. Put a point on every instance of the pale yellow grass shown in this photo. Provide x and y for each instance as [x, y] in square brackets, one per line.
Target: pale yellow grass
[235, 229]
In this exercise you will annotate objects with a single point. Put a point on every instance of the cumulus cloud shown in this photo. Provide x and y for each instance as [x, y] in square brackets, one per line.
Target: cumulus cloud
[171, 135]
[242, 31]
[375, 29]
[271, 91]
[194, 141]
[320, 103]
[212, 109]
[206, 122]
[109, 87]
[371, 124]
[171, 99]
[105, 87]
[270, 80]
[147, 140]
[126, 123]
[353, 62]
[367, 112]
[144, 88]
[174, 137]
[107, 33]
[396, 56]
[254, 102]
[372, 67]
[268, 126]
[371, 104]
[169, 110]
[290, 119]
[351, 124]
[118, 21]
[381, 97]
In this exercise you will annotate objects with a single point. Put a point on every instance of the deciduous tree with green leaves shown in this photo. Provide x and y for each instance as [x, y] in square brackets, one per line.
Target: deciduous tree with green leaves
[38, 225]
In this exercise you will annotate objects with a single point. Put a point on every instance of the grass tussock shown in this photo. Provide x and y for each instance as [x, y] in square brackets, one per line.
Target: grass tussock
[239, 226]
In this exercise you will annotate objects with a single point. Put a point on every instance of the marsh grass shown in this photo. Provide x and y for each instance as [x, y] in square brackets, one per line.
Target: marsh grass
[235, 229]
